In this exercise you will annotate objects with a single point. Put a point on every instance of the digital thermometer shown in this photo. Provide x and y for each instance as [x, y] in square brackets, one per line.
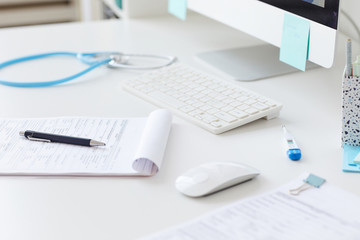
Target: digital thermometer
[293, 151]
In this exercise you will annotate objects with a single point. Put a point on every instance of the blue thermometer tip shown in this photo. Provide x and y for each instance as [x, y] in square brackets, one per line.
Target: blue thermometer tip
[294, 154]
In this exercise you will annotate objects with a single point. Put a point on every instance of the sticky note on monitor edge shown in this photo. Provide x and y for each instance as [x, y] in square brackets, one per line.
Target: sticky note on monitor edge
[178, 8]
[294, 48]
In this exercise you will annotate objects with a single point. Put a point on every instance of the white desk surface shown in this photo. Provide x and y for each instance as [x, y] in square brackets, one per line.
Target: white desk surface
[127, 208]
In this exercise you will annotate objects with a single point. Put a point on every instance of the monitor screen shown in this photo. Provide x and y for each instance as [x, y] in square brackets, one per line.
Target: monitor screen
[322, 11]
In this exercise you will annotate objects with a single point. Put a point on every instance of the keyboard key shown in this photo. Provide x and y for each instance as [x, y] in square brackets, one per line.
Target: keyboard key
[271, 104]
[238, 113]
[243, 107]
[187, 109]
[206, 117]
[199, 96]
[191, 101]
[195, 112]
[198, 104]
[242, 98]
[226, 117]
[260, 106]
[228, 100]
[205, 99]
[212, 111]
[227, 108]
[218, 123]
[236, 104]
[221, 97]
[218, 104]
[251, 110]
[205, 107]
[250, 101]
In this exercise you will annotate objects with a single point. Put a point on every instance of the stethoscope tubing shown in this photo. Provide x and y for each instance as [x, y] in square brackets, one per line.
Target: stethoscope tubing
[108, 58]
[34, 57]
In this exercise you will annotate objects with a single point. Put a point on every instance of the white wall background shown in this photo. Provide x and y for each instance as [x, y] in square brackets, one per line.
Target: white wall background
[351, 7]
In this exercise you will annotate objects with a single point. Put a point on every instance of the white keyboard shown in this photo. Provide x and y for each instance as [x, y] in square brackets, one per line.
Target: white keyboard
[204, 100]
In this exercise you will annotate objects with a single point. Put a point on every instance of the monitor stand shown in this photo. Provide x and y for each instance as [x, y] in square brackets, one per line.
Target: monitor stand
[250, 63]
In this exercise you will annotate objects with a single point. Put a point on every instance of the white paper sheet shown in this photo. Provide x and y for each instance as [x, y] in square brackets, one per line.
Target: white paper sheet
[153, 141]
[317, 213]
[19, 156]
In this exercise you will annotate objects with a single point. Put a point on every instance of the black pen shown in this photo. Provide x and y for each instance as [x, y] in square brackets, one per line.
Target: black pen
[48, 137]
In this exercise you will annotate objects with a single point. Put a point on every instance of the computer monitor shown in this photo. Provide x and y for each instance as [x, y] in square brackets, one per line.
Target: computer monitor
[264, 19]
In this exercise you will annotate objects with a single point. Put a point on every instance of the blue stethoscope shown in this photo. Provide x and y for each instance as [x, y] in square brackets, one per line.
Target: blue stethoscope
[93, 60]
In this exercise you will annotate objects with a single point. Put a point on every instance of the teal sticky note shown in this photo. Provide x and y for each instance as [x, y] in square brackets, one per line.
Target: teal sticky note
[178, 8]
[119, 3]
[295, 41]
[350, 153]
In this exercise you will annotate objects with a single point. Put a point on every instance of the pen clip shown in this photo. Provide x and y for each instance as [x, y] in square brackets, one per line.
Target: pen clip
[38, 139]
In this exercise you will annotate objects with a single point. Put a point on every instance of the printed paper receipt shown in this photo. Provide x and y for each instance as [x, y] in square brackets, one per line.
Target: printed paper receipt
[123, 138]
[325, 213]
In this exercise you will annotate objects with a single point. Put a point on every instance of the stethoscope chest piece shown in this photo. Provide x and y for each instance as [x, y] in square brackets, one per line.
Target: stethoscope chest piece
[140, 61]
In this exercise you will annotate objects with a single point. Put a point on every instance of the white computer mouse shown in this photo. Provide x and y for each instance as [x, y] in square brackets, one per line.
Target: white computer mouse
[212, 177]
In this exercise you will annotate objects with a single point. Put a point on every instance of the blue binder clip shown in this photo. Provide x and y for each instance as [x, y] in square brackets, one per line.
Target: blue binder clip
[311, 181]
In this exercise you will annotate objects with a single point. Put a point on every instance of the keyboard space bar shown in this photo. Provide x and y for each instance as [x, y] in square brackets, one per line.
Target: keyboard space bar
[166, 99]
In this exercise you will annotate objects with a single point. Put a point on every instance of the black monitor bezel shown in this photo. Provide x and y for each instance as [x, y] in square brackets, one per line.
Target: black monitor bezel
[327, 15]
